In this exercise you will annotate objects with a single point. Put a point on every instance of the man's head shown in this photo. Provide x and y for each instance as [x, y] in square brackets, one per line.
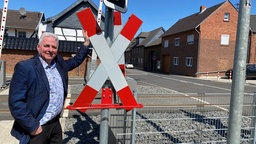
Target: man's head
[48, 46]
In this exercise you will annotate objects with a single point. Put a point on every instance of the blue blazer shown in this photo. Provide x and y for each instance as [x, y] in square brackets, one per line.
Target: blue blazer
[29, 91]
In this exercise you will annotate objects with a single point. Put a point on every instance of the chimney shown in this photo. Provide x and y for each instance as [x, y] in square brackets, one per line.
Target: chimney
[202, 9]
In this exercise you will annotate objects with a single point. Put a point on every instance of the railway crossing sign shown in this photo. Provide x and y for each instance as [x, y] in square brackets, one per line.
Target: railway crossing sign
[108, 68]
[119, 5]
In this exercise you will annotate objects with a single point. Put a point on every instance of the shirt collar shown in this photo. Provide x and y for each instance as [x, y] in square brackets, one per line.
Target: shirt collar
[45, 65]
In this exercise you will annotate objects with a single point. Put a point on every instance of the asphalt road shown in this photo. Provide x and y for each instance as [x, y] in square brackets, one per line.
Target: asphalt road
[185, 84]
[195, 92]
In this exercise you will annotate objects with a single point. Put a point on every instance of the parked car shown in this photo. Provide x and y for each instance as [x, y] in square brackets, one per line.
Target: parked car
[250, 71]
[129, 66]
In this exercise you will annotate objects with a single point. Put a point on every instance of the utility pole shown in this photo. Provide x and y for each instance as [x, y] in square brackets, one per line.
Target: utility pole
[109, 34]
[237, 91]
[2, 31]
[108, 29]
[3, 22]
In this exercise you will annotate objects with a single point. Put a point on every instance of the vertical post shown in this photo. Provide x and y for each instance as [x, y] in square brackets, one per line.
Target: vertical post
[105, 112]
[254, 119]
[133, 127]
[124, 126]
[2, 73]
[109, 26]
[104, 123]
[3, 22]
[230, 76]
[92, 64]
[2, 31]
[133, 84]
[237, 90]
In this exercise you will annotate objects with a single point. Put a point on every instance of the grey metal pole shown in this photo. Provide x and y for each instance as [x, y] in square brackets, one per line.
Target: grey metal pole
[104, 126]
[108, 29]
[254, 120]
[2, 73]
[237, 90]
[124, 126]
[133, 127]
[109, 25]
[133, 84]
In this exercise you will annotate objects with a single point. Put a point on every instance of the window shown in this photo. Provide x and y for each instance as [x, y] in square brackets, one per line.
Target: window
[190, 39]
[226, 16]
[224, 39]
[189, 61]
[177, 42]
[22, 34]
[166, 43]
[176, 61]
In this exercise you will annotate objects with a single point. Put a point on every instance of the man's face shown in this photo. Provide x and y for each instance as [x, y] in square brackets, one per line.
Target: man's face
[48, 49]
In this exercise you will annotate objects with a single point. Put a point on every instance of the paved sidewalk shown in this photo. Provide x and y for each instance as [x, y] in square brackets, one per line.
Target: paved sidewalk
[5, 128]
[226, 80]
[6, 138]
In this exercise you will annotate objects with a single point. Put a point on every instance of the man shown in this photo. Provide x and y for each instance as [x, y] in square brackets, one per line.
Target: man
[38, 89]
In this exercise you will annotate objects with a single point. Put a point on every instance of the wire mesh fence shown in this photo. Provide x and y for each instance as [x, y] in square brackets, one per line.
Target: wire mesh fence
[175, 119]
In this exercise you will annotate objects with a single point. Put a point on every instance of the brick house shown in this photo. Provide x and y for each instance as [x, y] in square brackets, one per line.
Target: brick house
[145, 50]
[22, 32]
[133, 54]
[252, 40]
[201, 42]
[20, 37]
[152, 49]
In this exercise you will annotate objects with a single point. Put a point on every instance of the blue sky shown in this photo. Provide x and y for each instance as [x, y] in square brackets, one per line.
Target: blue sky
[153, 13]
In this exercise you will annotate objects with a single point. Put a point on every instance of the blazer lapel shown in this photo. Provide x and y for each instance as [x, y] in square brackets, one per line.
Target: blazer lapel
[41, 73]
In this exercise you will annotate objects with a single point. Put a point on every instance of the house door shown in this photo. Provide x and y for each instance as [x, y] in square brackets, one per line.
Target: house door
[166, 64]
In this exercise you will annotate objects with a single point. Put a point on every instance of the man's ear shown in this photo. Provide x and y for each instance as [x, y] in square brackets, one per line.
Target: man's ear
[37, 47]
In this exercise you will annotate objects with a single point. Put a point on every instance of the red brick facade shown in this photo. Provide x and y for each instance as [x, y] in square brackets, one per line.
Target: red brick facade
[207, 52]
[212, 55]
[252, 50]
[11, 57]
[182, 51]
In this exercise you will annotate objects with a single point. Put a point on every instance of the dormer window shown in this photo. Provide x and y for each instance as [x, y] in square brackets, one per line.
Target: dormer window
[226, 17]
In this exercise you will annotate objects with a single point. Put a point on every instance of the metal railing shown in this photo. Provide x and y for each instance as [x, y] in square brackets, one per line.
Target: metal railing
[191, 118]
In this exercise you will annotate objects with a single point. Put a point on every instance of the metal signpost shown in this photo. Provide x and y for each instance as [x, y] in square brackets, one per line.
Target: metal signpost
[237, 91]
[93, 63]
[2, 31]
[119, 5]
[110, 54]
[3, 22]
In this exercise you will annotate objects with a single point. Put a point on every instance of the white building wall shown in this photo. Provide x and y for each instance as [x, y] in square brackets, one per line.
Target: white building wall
[69, 34]
[41, 28]
[11, 32]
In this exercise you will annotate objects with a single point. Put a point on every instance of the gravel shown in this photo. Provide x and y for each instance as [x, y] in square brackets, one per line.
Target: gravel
[159, 127]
